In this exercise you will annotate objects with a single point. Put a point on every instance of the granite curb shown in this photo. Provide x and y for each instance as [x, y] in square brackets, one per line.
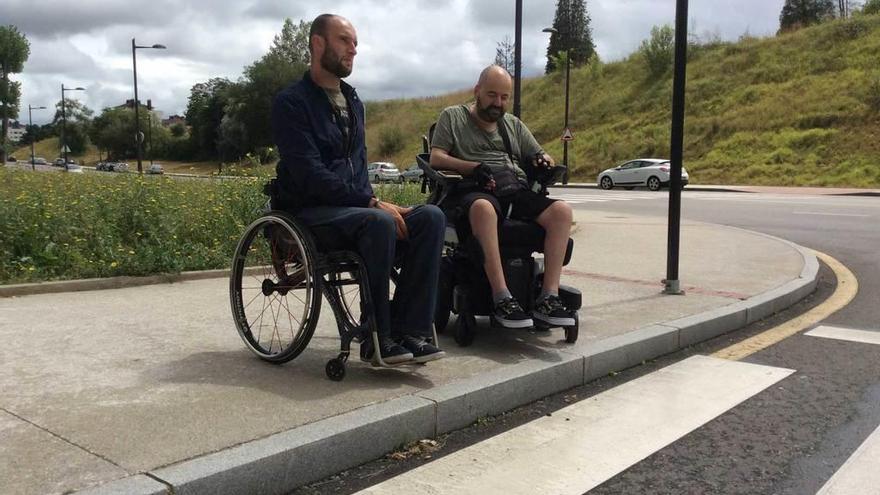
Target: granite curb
[283, 461]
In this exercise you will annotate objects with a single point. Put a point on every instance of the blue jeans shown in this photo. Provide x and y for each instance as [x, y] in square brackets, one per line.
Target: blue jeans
[372, 233]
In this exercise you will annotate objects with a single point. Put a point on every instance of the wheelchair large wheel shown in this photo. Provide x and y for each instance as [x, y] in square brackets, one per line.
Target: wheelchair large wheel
[273, 289]
[346, 286]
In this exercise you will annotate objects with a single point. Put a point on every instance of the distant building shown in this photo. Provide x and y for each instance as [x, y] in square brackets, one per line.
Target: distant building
[16, 131]
[174, 119]
[130, 104]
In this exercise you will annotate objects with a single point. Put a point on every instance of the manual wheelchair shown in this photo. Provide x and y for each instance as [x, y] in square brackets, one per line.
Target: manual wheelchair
[463, 286]
[280, 271]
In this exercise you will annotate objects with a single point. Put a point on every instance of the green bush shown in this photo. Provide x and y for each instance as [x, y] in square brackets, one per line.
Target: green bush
[390, 140]
[658, 50]
[66, 226]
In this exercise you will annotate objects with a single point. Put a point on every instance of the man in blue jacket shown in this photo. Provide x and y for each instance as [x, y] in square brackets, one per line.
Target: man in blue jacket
[318, 126]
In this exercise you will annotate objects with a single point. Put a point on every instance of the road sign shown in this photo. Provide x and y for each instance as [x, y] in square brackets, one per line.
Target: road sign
[567, 135]
[65, 149]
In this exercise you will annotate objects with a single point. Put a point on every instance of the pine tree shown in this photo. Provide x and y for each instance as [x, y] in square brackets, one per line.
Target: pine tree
[800, 13]
[572, 25]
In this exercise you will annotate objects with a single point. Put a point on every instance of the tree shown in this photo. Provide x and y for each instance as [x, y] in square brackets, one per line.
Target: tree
[504, 55]
[659, 50]
[14, 52]
[111, 132]
[204, 112]
[871, 7]
[250, 101]
[78, 117]
[292, 44]
[801, 13]
[572, 24]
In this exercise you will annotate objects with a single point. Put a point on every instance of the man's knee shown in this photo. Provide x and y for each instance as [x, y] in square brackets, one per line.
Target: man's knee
[482, 211]
[379, 222]
[558, 214]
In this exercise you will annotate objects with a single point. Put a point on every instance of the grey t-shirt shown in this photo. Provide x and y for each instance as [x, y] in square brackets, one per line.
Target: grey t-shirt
[458, 134]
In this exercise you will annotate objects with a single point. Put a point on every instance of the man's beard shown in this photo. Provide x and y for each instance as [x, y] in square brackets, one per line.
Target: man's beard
[332, 63]
[489, 113]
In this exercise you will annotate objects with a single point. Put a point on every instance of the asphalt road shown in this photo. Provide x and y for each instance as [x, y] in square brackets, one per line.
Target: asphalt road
[793, 438]
[790, 438]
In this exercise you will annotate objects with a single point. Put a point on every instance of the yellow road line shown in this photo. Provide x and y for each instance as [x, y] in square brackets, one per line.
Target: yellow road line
[847, 288]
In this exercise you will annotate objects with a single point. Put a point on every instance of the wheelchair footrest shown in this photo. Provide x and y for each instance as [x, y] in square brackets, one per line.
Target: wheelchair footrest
[571, 297]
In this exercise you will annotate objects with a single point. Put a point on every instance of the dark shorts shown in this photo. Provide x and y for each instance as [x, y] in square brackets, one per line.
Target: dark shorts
[524, 205]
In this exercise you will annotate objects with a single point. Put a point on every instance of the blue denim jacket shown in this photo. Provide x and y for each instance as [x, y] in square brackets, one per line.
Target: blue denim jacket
[315, 168]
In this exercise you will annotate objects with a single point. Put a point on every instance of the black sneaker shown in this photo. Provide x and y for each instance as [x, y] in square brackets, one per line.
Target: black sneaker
[551, 311]
[391, 351]
[422, 349]
[509, 314]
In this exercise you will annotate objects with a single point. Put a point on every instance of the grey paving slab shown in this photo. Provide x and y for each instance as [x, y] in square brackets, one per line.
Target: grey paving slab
[34, 461]
[133, 485]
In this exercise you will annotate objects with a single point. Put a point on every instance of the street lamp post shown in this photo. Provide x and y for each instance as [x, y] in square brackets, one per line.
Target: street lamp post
[137, 122]
[567, 43]
[31, 133]
[64, 122]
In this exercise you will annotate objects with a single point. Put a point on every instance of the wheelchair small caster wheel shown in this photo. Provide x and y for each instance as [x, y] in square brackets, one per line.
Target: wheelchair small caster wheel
[571, 333]
[465, 329]
[335, 370]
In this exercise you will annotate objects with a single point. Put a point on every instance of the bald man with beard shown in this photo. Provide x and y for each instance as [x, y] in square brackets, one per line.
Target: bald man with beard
[469, 139]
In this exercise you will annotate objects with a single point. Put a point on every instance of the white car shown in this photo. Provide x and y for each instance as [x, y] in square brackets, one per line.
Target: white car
[155, 168]
[652, 173]
[73, 167]
[383, 172]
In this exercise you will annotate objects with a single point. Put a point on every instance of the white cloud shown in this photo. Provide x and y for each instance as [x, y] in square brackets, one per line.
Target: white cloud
[407, 47]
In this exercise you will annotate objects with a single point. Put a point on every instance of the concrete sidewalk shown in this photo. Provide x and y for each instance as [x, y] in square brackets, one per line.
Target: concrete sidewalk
[140, 389]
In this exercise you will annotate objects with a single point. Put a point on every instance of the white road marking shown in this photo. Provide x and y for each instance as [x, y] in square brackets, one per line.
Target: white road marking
[850, 334]
[859, 474]
[828, 214]
[583, 445]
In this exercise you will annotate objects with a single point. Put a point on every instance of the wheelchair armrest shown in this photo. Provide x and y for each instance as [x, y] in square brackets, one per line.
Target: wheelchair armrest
[442, 177]
[546, 176]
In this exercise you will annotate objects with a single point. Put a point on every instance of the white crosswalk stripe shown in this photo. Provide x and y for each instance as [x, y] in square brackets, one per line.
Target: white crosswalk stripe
[583, 445]
[850, 334]
[859, 474]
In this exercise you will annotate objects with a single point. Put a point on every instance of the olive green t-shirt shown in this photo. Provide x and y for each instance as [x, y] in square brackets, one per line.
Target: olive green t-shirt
[458, 134]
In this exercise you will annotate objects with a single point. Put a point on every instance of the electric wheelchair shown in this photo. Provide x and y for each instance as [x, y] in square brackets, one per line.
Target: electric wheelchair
[464, 288]
[280, 270]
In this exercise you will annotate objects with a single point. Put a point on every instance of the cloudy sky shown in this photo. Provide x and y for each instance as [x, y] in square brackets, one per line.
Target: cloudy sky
[406, 47]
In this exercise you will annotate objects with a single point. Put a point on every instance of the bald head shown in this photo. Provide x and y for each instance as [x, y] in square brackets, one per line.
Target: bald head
[494, 73]
[492, 93]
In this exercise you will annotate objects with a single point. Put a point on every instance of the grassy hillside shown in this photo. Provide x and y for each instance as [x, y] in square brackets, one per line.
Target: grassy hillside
[798, 109]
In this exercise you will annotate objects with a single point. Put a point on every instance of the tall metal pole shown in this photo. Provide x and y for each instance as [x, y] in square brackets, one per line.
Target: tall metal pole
[517, 61]
[63, 128]
[150, 132]
[673, 285]
[567, 81]
[137, 122]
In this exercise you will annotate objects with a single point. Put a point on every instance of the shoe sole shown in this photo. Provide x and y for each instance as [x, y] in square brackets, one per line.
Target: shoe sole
[430, 357]
[515, 323]
[556, 322]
